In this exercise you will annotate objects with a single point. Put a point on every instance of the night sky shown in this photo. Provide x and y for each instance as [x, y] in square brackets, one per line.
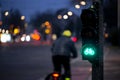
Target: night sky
[29, 7]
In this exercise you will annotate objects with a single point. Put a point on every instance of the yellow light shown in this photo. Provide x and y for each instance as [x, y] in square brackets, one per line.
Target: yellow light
[67, 33]
[47, 31]
[16, 31]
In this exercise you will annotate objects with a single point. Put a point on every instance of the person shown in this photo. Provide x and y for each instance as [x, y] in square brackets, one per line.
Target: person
[62, 51]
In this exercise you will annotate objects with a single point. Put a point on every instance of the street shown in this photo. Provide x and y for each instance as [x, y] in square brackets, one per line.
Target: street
[32, 61]
[24, 62]
[28, 28]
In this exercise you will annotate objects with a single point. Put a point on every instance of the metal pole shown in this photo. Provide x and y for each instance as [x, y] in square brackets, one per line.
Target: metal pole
[119, 21]
[97, 67]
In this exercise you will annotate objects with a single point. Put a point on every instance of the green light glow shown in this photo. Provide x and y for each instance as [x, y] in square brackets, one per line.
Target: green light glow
[67, 78]
[89, 50]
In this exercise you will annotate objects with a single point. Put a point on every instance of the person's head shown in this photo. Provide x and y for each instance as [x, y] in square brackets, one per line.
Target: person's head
[67, 33]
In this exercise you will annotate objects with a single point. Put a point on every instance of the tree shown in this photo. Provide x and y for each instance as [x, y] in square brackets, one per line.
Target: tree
[12, 20]
[39, 18]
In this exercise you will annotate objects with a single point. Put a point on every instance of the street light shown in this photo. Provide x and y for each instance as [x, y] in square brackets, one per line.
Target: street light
[70, 13]
[6, 13]
[59, 16]
[77, 6]
[22, 17]
[65, 16]
[83, 3]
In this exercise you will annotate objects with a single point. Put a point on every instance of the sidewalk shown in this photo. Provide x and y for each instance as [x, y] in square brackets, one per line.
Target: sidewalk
[80, 69]
[112, 64]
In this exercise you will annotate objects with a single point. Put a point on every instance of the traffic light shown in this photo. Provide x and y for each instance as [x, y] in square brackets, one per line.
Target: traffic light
[90, 34]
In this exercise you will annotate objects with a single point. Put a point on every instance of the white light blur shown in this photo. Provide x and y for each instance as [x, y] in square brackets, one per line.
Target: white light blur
[22, 38]
[6, 13]
[8, 37]
[7, 31]
[3, 31]
[5, 38]
[27, 38]
[54, 36]
[59, 16]
[70, 13]
[92, 6]
[22, 17]
[65, 17]
[83, 3]
[77, 6]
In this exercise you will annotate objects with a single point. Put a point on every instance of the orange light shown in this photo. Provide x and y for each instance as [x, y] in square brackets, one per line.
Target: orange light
[49, 26]
[35, 36]
[55, 75]
[47, 23]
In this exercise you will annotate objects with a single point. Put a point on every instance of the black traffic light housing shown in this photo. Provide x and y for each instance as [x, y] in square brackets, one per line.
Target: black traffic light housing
[92, 38]
[90, 33]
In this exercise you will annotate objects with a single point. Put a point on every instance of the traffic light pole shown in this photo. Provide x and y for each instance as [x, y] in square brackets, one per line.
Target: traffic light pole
[97, 67]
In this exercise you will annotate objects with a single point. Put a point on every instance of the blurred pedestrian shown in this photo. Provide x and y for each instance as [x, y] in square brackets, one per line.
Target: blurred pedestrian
[63, 49]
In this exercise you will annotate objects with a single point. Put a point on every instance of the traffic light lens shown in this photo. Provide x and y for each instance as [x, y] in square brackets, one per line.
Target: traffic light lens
[89, 51]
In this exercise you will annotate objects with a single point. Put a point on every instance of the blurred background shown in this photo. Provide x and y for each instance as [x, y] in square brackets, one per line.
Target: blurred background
[43, 19]
[29, 27]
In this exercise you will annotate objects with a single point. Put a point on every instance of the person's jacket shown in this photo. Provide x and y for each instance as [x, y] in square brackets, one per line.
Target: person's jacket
[64, 46]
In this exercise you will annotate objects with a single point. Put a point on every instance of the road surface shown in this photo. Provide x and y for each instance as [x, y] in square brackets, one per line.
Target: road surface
[32, 61]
